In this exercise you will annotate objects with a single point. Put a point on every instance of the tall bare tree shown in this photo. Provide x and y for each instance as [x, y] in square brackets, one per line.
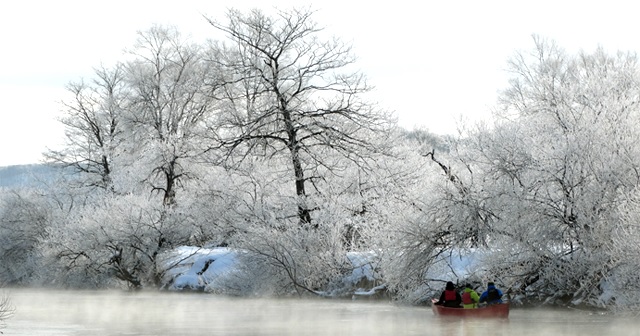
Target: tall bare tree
[291, 94]
[168, 104]
[92, 126]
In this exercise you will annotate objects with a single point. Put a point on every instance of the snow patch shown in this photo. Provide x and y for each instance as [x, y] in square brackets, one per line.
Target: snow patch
[196, 268]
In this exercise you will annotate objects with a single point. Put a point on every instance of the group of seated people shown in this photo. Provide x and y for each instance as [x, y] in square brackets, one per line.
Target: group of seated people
[469, 298]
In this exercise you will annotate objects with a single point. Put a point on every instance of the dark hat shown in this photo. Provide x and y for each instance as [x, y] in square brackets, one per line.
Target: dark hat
[450, 285]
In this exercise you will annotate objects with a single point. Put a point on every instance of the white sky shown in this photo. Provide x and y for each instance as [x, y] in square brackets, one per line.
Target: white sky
[432, 62]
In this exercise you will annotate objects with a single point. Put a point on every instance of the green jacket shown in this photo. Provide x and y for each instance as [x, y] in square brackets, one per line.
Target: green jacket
[472, 297]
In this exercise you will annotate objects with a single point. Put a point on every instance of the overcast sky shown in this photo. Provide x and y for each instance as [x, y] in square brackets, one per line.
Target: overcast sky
[430, 61]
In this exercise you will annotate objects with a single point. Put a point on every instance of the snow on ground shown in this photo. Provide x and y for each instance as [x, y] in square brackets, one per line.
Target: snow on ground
[195, 268]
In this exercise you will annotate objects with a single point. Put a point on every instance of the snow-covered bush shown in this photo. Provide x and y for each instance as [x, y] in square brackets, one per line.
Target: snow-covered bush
[119, 237]
[24, 225]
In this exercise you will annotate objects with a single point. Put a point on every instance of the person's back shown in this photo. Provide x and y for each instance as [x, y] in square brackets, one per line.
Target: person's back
[470, 297]
[450, 297]
[492, 295]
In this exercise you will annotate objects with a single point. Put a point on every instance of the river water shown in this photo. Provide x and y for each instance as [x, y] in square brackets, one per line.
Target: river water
[46, 312]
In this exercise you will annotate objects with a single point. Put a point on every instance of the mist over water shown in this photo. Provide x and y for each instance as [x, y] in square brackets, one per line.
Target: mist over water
[43, 312]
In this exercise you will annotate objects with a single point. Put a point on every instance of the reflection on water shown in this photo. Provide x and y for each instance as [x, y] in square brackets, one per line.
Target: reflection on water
[41, 312]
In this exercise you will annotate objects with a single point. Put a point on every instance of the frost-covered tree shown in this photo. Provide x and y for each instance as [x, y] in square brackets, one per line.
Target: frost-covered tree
[291, 97]
[540, 192]
[134, 132]
[552, 170]
[93, 127]
[24, 222]
[138, 121]
[118, 237]
[426, 215]
[169, 103]
[620, 287]
[291, 125]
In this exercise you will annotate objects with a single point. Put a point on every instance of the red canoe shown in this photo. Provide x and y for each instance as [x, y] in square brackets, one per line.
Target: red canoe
[492, 311]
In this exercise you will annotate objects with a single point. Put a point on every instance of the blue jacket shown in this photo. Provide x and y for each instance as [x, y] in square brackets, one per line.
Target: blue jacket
[485, 295]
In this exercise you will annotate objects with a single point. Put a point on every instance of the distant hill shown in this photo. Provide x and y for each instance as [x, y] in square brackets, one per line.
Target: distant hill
[25, 175]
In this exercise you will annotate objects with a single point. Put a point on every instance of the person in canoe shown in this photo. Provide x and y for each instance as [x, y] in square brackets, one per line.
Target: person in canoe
[450, 297]
[470, 297]
[492, 295]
